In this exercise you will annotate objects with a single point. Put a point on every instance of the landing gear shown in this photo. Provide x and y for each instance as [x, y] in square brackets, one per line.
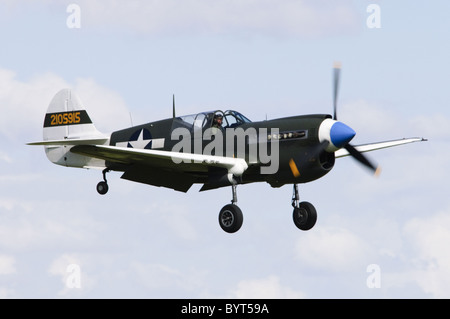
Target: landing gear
[304, 215]
[102, 187]
[230, 216]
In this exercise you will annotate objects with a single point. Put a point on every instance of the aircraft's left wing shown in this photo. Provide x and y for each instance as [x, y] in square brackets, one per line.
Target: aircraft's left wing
[379, 145]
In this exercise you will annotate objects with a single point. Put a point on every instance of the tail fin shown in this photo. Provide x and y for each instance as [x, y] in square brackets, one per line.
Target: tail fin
[66, 124]
[66, 118]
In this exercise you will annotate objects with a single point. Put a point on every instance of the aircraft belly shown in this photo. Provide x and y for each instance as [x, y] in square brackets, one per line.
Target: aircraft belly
[159, 177]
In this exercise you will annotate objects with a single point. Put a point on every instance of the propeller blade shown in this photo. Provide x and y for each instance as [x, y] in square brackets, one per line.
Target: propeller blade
[362, 159]
[351, 150]
[336, 73]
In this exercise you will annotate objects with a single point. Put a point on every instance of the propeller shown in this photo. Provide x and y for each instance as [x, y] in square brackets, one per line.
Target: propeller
[362, 159]
[357, 155]
[336, 76]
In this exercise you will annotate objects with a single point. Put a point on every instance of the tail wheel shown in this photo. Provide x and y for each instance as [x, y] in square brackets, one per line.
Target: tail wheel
[231, 218]
[102, 188]
[305, 216]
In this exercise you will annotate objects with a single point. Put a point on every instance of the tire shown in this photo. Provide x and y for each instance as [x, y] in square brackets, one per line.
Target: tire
[231, 218]
[305, 216]
[102, 188]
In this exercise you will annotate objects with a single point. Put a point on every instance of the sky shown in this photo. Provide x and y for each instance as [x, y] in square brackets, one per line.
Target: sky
[383, 237]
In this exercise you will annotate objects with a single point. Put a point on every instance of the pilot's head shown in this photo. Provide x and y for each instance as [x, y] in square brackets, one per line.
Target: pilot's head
[218, 118]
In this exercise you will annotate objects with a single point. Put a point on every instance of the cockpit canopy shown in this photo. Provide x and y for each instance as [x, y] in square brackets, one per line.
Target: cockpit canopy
[204, 120]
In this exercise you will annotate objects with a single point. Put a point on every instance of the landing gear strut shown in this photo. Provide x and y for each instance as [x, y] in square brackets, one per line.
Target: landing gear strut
[304, 215]
[102, 187]
[230, 216]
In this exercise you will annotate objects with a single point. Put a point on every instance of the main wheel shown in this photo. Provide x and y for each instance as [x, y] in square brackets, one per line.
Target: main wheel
[230, 218]
[305, 216]
[102, 188]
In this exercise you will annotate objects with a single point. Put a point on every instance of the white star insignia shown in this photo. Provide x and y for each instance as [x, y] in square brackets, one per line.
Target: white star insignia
[140, 143]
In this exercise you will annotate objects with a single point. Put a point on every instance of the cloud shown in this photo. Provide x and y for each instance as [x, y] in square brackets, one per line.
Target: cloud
[288, 17]
[332, 249]
[436, 126]
[176, 218]
[157, 276]
[265, 288]
[5, 158]
[429, 237]
[6, 293]
[7, 268]
[162, 280]
[304, 18]
[106, 107]
[70, 269]
[370, 119]
[37, 223]
[24, 103]
[7, 265]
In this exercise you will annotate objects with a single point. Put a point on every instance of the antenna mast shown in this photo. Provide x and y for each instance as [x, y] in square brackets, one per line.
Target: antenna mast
[173, 105]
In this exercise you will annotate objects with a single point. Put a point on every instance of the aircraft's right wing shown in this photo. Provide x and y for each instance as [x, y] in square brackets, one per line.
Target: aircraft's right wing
[235, 166]
[379, 145]
[163, 168]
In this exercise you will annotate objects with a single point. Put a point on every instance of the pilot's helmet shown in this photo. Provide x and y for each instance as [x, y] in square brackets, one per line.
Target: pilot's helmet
[217, 116]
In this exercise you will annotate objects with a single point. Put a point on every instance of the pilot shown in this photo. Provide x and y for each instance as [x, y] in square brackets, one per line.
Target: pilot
[217, 123]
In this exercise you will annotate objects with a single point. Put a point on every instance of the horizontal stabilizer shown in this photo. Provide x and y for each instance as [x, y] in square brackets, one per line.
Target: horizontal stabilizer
[73, 141]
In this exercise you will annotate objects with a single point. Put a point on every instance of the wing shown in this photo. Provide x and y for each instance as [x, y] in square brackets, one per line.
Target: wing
[379, 145]
[163, 168]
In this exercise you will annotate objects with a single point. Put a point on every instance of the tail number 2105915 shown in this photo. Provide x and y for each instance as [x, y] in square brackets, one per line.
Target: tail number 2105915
[65, 118]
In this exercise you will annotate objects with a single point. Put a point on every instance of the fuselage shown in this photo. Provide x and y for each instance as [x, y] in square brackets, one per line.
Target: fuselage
[280, 151]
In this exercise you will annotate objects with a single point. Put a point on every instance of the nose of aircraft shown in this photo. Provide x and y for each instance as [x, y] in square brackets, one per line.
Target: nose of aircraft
[341, 134]
[336, 133]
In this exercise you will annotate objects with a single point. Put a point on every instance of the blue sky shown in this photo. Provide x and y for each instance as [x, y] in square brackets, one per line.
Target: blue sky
[262, 58]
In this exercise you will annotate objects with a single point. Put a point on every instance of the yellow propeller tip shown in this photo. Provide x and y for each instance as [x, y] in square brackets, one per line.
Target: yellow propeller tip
[337, 65]
[377, 171]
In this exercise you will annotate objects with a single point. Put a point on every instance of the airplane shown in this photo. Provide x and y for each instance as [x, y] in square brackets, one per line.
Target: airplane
[214, 148]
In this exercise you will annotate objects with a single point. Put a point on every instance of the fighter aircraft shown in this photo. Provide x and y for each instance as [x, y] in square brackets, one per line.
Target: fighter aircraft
[215, 148]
